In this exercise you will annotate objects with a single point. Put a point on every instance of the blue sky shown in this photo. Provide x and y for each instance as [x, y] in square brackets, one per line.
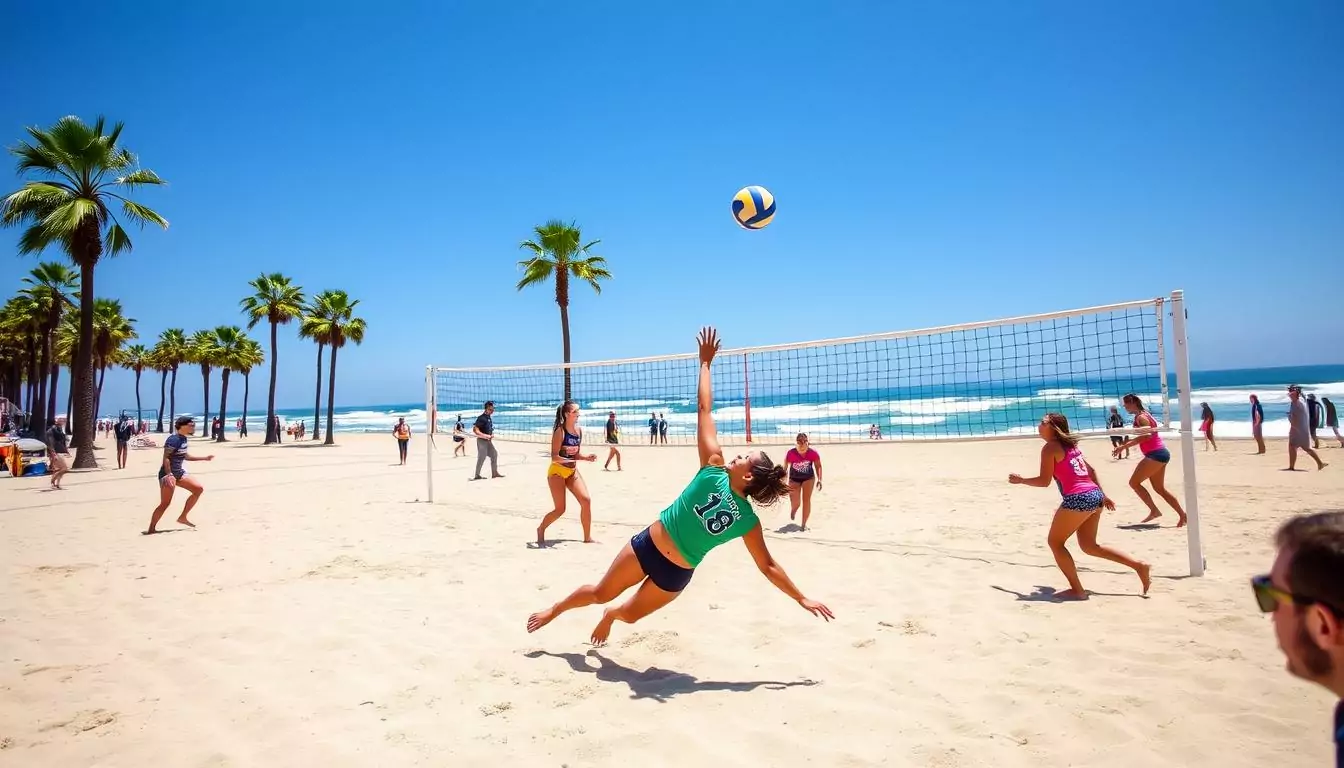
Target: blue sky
[933, 163]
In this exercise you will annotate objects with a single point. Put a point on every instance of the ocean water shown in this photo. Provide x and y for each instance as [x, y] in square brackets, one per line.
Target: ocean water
[840, 416]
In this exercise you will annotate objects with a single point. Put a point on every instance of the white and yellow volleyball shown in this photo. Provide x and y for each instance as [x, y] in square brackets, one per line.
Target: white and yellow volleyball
[753, 207]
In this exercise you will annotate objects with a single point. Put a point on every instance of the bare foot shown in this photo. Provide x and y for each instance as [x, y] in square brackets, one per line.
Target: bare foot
[541, 537]
[1071, 594]
[150, 532]
[186, 522]
[496, 476]
[1151, 517]
[793, 514]
[1181, 523]
[590, 540]
[1322, 466]
[603, 629]
[1145, 576]
[538, 620]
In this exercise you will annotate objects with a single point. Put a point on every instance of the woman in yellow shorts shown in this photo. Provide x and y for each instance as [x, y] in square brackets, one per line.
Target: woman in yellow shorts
[566, 439]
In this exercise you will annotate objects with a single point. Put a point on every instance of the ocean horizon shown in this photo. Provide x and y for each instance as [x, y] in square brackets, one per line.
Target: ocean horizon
[834, 416]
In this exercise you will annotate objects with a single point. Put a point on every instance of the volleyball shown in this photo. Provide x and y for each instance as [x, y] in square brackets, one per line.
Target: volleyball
[753, 207]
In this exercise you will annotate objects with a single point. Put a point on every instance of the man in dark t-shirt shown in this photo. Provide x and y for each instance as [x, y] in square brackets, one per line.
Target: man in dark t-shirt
[57, 449]
[484, 430]
[124, 431]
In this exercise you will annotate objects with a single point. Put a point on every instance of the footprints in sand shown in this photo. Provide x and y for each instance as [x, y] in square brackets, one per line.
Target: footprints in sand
[907, 627]
[490, 710]
[347, 567]
[64, 672]
[62, 571]
[83, 721]
[656, 641]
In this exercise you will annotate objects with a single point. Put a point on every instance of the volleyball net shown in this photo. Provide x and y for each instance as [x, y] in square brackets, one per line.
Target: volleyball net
[970, 381]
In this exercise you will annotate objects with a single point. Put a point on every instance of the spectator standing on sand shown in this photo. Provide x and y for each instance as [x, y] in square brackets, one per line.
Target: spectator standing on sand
[57, 449]
[1258, 424]
[1299, 433]
[484, 430]
[124, 432]
[1332, 419]
[1314, 411]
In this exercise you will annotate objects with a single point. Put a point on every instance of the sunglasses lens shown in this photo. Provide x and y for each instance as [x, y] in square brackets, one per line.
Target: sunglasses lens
[1263, 598]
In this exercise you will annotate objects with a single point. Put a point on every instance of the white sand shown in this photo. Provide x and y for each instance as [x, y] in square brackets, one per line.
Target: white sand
[320, 616]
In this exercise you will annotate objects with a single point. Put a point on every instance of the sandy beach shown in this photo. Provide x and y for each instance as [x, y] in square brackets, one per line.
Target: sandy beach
[323, 614]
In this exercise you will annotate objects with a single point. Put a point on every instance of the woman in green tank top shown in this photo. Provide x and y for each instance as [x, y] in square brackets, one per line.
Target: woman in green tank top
[713, 510]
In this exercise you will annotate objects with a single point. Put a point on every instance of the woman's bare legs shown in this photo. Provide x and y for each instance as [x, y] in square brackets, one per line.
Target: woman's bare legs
[579, 487]
[1145, 469]
[624, 572]
[646, 600]
[557, 486]
[808, 485]
[613, 454]
[795, 498]
[1159, 483]
[1064, 525]
[1337, 436]
[196, 490]
[165, 498]
[1087, 541]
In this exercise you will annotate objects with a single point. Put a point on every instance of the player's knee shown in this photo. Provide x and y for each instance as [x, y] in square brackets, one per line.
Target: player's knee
[1136, 483]
[1056, 542]
[1093, 549]
[604, 594]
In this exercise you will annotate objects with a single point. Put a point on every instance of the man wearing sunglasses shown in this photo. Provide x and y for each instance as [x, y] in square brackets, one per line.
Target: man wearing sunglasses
[1305, 592]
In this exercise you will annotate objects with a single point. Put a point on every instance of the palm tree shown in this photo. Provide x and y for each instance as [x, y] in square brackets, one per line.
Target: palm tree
[67, 201]
[558, 251]
[337, 324]
[23, 318]
[67, 343]
[200, 350]
[248, 358]
[276, 300]
[312, 326]
[226, 349]
[172, 350]
[136, 359]
[111, 331]
[50, 285]
[156, 363]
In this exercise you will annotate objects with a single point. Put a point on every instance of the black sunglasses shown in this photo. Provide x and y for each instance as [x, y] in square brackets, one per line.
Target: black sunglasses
[1268, 597]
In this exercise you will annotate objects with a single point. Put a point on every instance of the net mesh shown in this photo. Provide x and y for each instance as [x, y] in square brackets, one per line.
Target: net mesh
[995, 380]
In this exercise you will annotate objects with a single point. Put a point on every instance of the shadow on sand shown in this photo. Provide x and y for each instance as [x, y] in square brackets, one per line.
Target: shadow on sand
[654, 683]
[1051, 595]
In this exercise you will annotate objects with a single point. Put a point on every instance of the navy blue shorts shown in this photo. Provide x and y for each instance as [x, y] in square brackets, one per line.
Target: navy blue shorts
[1083, 502]
[665, 574]
[1161, 455]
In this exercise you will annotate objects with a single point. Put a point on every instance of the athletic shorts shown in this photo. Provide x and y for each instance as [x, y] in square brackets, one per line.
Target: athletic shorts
[1161, 455]
[1083, 502]
[560, 470]
[181, 473]
[800, 478]
[1117, 440]
[665, 574]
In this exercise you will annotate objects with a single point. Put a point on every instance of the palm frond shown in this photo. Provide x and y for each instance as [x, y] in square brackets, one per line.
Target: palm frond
[141, 214]
[116, 241]
[139, 177]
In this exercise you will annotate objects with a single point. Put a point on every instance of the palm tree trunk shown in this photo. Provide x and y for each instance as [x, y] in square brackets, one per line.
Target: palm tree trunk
[98, 399]
[564, 331]
[247, 388]
[163, 394]
[172, 400]
[139, 412]
[272, 434]
[51, 394]
[317, 406]
[31, 395]
[331, 401]
[70, 405]
[205, 398]
[39, 408]
[83, 371]
[223, 402]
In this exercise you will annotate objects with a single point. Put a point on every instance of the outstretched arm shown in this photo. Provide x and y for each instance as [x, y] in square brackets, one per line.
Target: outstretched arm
[706, 434]
[1049, 455]
[755, 541]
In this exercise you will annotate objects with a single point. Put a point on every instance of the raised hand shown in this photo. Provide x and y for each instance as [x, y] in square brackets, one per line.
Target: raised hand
[709, 344]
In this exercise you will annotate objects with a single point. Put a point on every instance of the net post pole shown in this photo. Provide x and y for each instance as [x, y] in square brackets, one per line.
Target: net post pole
[746, 395]
[430, 418]
[1162, 363]
[1192, 532]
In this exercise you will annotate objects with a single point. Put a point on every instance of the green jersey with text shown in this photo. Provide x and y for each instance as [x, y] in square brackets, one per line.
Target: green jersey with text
[706, 515]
